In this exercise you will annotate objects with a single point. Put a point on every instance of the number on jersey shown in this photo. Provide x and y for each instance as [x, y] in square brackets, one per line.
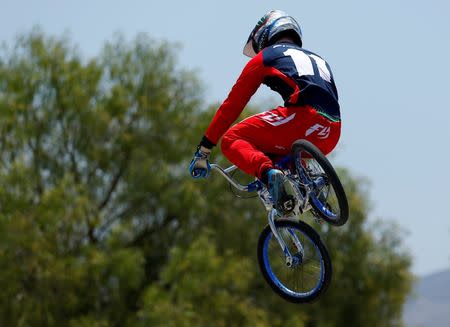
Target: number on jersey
[304, 66]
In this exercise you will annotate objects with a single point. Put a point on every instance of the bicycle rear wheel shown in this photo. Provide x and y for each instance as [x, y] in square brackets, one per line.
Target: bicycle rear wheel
[308, 275]
[327, 196]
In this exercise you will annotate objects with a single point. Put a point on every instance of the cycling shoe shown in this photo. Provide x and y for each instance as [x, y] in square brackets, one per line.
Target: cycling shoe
[278, 189]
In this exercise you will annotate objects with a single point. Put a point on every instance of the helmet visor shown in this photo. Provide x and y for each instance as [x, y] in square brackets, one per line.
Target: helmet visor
[249, 51]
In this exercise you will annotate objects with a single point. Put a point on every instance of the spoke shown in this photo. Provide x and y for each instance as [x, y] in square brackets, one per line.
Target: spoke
[274, 248]
[295, 280]
[308, 273]
[308, 266]
[302, 280]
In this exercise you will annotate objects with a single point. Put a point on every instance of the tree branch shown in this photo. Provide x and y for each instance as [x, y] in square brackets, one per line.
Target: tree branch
[152, 229]
[115, 181]
[36, 153]
[104, 227]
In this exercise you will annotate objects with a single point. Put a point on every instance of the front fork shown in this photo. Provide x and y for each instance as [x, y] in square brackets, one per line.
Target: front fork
[290, 259]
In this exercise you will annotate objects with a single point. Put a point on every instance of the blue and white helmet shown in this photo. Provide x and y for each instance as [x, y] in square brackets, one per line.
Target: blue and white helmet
[267, 28]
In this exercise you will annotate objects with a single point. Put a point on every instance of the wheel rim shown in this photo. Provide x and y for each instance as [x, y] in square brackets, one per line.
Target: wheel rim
[323, 195]
[301, 280]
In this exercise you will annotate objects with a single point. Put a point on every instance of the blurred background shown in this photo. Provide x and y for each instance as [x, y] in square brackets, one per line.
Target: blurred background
[101, 107]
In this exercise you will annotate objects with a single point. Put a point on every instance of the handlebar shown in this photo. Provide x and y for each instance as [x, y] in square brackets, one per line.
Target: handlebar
[225, 173]
[197, 172]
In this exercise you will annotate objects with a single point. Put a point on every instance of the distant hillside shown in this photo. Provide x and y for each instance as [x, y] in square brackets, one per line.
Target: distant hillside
[430, 305]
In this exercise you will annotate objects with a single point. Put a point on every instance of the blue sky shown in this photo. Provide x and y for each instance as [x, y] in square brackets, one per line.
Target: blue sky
[389, 58]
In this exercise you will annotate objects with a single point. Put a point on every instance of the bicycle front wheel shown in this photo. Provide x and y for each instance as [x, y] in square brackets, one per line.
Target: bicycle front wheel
[307, 275]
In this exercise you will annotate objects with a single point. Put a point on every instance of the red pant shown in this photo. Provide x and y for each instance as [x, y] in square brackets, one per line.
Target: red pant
[246, 143]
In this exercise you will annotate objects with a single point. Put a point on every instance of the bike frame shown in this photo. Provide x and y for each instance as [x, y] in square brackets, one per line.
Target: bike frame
[302, 204]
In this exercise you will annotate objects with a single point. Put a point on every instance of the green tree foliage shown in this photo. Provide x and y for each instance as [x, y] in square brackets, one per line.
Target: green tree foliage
[100, 224]
[200, 287]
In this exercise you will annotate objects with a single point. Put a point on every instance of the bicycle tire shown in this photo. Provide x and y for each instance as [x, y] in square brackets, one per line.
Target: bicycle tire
[266, 267]
[336, 219]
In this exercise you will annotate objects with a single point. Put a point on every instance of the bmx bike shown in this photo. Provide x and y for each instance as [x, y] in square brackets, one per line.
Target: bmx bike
[291, 255]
